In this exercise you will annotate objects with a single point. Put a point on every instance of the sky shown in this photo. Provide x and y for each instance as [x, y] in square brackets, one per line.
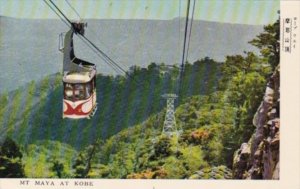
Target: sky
[255, 12]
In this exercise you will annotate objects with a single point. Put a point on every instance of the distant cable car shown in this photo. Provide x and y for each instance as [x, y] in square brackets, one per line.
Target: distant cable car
[79, 79]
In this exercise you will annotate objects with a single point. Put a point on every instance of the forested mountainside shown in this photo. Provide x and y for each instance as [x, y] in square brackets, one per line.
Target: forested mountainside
[214, 116]
[34, 112]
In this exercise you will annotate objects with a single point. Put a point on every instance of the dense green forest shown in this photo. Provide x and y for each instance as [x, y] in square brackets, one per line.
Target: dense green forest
[124, 139]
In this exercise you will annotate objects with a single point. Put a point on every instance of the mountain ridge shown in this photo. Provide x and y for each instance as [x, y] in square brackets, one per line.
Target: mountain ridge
[136, 19]
[127, 42]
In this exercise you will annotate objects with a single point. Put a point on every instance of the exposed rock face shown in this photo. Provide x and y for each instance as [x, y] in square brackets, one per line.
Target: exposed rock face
[259, 158]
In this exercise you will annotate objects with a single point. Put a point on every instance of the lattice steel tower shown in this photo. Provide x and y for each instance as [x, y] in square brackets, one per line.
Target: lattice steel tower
[169, 128]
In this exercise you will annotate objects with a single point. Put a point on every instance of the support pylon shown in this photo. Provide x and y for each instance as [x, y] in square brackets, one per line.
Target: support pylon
[169, 128]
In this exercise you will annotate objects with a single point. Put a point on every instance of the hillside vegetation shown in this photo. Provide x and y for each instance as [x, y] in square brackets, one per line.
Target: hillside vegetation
[124, 139]
[34, 112]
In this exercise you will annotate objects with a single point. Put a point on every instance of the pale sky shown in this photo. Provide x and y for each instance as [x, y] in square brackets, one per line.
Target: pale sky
[258, 12]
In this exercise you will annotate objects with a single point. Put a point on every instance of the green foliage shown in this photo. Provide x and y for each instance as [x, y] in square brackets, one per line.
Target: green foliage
[174, 168]
[142, 152]
[49, 159]
[218, 172]
[215, 110]
[58, 168]
[3, 108]
[27, 110]
[268, 43]
[192, 159]
[243, 82]
[15, 106]
[34, 112]
[239, 64]
[11, 160]
[199, 78]
[162, 148]
[80, 166]
[83, 161]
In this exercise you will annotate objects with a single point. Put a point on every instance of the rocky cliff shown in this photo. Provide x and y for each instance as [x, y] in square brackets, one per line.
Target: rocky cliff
[259, 158]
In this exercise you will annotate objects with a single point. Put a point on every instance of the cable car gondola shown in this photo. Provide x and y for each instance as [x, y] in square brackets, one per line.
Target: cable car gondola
[79, 76]
[79, 79]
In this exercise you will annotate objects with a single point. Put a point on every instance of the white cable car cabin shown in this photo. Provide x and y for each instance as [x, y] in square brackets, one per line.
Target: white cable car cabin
[79, 80]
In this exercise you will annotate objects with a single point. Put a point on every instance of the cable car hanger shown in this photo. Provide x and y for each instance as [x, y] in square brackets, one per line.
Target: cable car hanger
[88, 42]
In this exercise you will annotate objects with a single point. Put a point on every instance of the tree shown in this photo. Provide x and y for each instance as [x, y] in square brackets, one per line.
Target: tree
[163, 147]
[174, 168]
[80, 166]
[58, 167]
[11, 160]
[244, 79]
[83, 163]
[268, 43]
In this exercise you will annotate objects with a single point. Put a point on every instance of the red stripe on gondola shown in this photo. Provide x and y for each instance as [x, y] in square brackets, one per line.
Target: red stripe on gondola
[75, 111]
